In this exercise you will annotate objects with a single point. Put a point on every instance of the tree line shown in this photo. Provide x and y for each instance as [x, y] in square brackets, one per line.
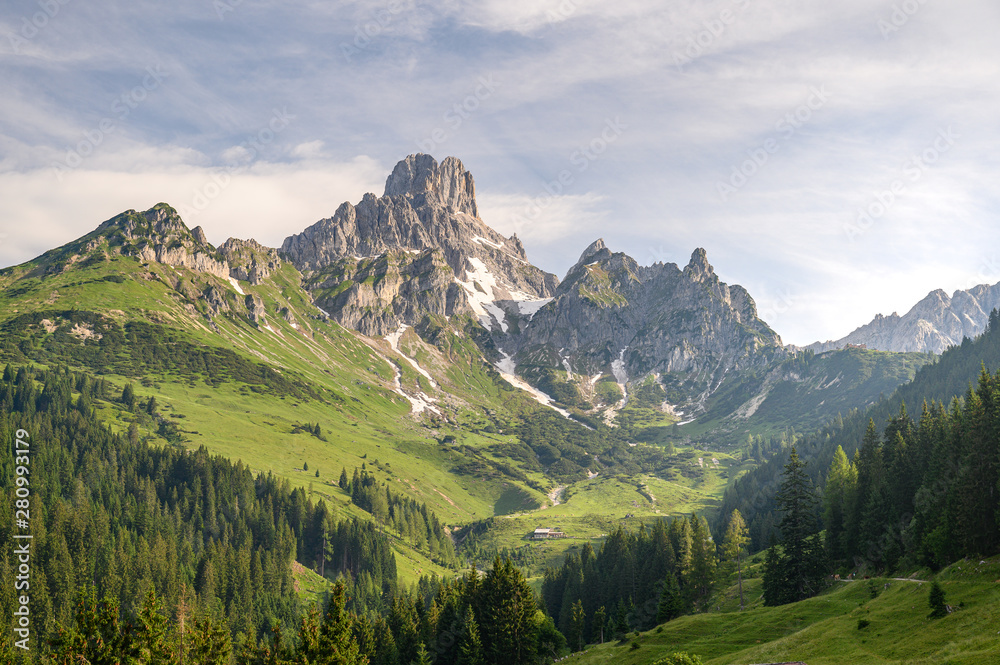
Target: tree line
[411, 519]
[639, 579]
[753, 494]
[128, 518]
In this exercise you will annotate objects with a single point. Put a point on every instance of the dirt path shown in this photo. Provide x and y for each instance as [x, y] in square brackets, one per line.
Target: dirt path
[555, 496]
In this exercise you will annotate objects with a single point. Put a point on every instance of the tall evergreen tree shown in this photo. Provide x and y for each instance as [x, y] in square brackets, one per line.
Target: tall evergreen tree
[797, 573]
[578, 621]
[336, 640]
[599, 622]
[671, 601]
[470, 646]
[735, 540]
[839, 504]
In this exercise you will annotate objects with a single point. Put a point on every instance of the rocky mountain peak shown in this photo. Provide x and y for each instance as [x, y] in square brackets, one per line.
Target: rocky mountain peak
[448, 183]
[592, 251]
[159, 224]
[427, 207]
[698, 268]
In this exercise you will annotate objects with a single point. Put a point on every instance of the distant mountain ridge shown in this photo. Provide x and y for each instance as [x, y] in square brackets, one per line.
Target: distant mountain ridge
[932, 325]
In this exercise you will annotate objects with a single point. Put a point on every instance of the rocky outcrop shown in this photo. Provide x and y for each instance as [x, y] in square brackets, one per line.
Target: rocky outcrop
[215, 301]
[159, 235]
[255, 310]
[425, 206]
[376, 296]
[249, 260]
[932, 325]
[611, 315]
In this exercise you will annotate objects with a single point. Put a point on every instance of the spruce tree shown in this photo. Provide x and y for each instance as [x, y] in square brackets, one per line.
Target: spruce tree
[936, 601]
[839, 503]
[774, 584]
[470, 646]
[128, 396]
[423, 658]
[735, 540]
[577, 623]
[671, 602]
[799, 572]
[336, 645]
[599, 623]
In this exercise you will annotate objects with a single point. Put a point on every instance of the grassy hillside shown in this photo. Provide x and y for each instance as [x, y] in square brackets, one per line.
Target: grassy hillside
[825, 630]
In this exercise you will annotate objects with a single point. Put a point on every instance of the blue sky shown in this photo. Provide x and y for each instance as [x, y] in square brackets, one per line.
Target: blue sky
[837, 159]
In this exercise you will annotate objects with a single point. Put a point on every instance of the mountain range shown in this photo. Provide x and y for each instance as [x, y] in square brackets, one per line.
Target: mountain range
[931, 326]
[400, 269]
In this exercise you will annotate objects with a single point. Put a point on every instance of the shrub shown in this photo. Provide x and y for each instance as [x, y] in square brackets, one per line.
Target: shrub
[863, 623]
[679, 659]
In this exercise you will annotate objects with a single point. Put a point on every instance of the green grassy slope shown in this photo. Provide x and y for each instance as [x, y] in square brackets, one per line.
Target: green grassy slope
[824, 630]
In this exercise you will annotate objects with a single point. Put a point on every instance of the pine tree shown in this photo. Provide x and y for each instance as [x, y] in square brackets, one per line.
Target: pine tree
[599, 623]
[936, 601]
[839, 505]
[343, 483]
[671, 601]
[736, 538]
[577, 623]
[774, 583]
[799, 572]
[209, 644]
[423, 658]
[128, 396]
[149, 643]
[621, 618]
[507, 615]
[470, 646]
[703, 559]
[336, 639]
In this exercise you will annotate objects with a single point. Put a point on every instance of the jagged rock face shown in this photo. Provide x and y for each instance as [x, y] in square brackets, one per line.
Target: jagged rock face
[423, 180]
[255, 309]
[376, 296]
[249, 260]
[933, 324]
[215, 301]
[158, 234]
[610, 314]
[426, 206]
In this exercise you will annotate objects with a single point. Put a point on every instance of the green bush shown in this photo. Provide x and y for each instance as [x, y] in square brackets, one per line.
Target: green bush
[679, 659]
